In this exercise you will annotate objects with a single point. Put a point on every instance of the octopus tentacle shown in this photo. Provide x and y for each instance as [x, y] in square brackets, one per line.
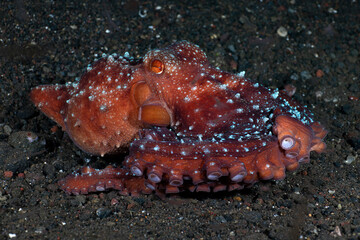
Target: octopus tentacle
[93, 180]
[151, 157]
[50, 100]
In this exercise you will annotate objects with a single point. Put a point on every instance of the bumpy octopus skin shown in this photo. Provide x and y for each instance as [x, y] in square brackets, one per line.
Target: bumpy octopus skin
[187, 125]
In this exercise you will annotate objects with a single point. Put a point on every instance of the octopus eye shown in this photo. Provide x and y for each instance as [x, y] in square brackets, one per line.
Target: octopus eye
[157, 66]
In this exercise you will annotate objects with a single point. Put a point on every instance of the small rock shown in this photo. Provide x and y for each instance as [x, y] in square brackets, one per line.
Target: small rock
[103, 212]
[16, 161]
[156, 22]
[282, 32]
[221, 219]
[21, 175]
[350, 159]
[2, 198]
[237, 198]
[46, 69]
[331, 191]
[319, 198]
[49, 170]
[253, 217]
[354, 52]
[232, 48]
[7, 129]
[329, 31]
[27, 141]
[248, 25]
[40, 230]
[336, 232]
[279, 232]
[22, 139]
[71, 74]
[114, 201]
[353, 138]
[332, 10]
[319, 94]
[140, 200]
[12, 235]
[290, 89]
[81, 199]
[74, 202]
[294, 77]
[8, 174]
[85, 216]
[110, 224]
[34, 178]
[319, 73]
[340, 65]
[52, 187]
[347, 109]
[305, 75]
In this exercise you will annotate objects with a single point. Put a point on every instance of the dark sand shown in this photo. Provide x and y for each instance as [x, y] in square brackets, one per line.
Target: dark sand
[47, 42]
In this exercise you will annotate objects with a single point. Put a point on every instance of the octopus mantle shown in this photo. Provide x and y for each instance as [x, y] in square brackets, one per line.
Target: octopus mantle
[187, 124]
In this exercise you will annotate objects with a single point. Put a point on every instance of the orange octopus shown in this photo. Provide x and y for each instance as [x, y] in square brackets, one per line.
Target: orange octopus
[187, 125]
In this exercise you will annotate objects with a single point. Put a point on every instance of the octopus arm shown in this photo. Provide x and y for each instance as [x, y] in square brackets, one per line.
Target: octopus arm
[94, 180]
[50, 99]
[162, 159]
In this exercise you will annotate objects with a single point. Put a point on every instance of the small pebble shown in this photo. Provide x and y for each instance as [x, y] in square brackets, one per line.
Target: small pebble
[290, 89]
[353, 138]
[232, 48]
[8, 174]
[40, 230]
[221, 219]
[319, 94]
[336, 232]
[7, 129]
[103, 212]
[253, 216]
[21, 175]
[282, 32]
[81, 199]
[319, 198]
[350, 159]
[12, 235]
[331, 192]
[114, 201]
[49, 170]
[294, 77]
[319, 73]
[110, 224]
[332, 10]
[46, 69]
[2, 198]
[237, 198]
[85, 216]
[26, 140]
[17, 139]
[306, 75]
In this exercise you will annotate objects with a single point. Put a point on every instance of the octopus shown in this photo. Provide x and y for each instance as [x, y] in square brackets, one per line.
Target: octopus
[185, 125]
